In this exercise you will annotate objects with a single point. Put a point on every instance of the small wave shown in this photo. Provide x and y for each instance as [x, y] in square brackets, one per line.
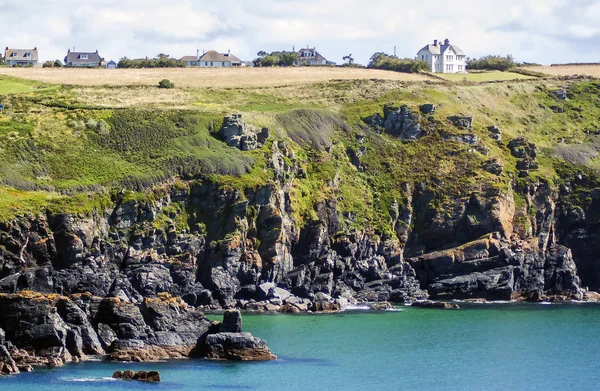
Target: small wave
[357, 308]
[546, 303]
[87, 379]
[394, 310]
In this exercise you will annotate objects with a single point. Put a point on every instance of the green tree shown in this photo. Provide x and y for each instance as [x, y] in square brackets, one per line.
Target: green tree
[58, 64]
[48, 64]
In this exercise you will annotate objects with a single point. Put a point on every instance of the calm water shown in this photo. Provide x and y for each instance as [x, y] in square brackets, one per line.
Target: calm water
[480, 347]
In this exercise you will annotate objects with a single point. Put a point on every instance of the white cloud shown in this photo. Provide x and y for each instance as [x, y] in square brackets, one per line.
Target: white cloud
[531, 30]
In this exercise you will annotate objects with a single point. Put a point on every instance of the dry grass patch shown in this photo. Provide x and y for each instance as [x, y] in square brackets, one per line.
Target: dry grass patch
[138, 96]
[568, 70]
[229, 77]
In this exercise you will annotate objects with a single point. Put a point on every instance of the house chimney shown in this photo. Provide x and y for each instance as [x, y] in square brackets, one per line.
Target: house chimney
[197, 54]
[435, 41]
[228, 52]
[68, 51]
[446, 41]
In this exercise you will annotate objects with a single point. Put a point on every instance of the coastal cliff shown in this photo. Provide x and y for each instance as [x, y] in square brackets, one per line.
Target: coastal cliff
[390, 194]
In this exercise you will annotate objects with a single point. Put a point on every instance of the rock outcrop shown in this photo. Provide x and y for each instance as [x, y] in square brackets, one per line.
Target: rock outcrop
[236, 133]
[401, 122]
[147, 376]
[227, 341]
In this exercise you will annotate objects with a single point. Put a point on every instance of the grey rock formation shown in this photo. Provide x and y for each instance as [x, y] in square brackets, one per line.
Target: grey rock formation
[461, 122]
[399, 122]
[236, 133]
[226, 341]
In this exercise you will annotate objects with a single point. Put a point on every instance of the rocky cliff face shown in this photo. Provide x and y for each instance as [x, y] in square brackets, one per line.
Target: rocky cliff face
[246, 250]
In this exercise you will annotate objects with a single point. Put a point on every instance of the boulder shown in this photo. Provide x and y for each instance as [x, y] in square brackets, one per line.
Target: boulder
[428, 108]
[461, 122]
[233, 346]
[493, 166]
[237, 346]
[232, 322]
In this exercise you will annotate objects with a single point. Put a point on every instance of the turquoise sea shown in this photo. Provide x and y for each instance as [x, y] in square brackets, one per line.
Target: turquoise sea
[480, 347]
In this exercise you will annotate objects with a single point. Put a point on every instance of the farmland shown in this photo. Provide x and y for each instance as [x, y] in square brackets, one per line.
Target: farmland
[195, 78]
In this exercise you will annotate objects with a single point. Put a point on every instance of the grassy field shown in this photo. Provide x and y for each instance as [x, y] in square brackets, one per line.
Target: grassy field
[483, 76]
[11, 85]
[569, 70]
[198, 78]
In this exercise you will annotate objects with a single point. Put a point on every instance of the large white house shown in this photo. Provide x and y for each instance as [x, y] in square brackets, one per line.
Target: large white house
[444, 58]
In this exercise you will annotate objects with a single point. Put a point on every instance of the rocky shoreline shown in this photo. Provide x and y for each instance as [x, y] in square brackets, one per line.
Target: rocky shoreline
[52, 330]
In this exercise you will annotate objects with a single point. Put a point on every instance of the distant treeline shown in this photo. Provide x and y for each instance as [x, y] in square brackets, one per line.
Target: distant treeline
[392, 63]
[492, 63]
[160, 61]
[273, 59]
[571, 64]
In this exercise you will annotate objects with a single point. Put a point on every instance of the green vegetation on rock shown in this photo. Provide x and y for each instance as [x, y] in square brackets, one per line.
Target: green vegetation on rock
[63, 149]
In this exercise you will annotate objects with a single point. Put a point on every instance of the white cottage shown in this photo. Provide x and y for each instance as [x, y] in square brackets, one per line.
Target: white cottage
[444, 58]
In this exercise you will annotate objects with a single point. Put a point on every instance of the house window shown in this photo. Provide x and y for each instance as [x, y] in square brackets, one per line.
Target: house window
[83, 56]
[460, 67]
[449, 58]
[449, 67]
[223, 63]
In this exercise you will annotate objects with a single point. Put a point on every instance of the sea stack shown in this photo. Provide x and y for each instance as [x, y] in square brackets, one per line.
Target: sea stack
[226, 341]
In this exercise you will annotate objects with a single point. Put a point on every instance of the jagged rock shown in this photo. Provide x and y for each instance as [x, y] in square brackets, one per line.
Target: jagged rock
[560, 94]
[469, 139]
[494, 166]
[527, 164]
[7, 364]
[494, 130]
[400, 122]
[238, 134]
[232, 322]
[495, 133]
[461, 122]
[521, 148]
[236, 346]
[435, 305]
[428, 108]
[383, 306]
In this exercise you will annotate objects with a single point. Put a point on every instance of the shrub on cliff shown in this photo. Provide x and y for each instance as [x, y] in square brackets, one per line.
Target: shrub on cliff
[166, 83]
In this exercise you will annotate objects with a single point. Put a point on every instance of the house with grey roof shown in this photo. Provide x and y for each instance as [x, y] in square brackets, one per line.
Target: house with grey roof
[310, 56]
[212, 58]
[21, 57]
[443, 58]
[82, 59]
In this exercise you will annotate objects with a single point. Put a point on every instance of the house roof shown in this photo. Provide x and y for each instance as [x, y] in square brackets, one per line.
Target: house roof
[188, 58]
[317, 56]
[439, 49]
[214, 56]
[75, 57]
[21, 54]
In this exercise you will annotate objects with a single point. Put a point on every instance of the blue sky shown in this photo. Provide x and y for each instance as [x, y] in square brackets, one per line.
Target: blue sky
[543, 31]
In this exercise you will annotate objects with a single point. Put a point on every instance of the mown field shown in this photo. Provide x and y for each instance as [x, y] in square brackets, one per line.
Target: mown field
[198, 78]
[568, 70]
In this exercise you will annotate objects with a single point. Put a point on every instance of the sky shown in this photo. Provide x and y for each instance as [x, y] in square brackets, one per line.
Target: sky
[540, 31]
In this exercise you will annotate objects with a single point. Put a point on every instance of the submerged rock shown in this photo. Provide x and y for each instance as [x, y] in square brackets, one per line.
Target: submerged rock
[436, 305]
[236, 346]
[149, 376]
